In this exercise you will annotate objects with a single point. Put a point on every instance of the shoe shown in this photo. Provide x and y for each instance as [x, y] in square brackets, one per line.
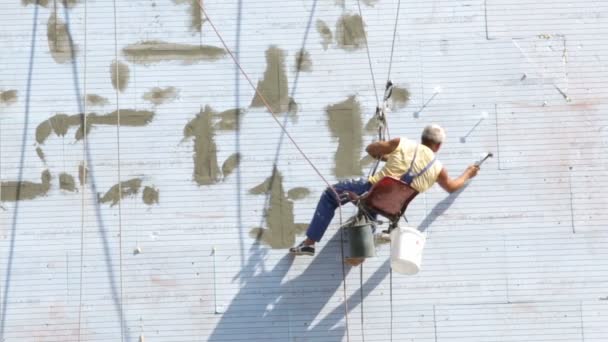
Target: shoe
[302, 249]
[385, 236]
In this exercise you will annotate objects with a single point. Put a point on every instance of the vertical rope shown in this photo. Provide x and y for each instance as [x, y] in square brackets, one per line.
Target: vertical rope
[117, 70]
[390, 62]
[390, 296]
[362, 309]
[84, 176]
[369, 57]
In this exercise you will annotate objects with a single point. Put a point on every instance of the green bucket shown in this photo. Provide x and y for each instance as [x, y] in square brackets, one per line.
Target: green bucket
[361, 240]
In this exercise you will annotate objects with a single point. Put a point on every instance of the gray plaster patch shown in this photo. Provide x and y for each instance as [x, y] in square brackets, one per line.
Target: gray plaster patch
[206, 168]
[61, 123]
[400, 97]
[230, 164]
[118, 192]
[128, 118]
[344, 120]
[96, 100]
[350, 32]
[66, 182]
[303, 61]
[327, 36]
[298, 193]
[159, 96]
[43, 3]
[150, 195]
[120, 75]
[370, 2]
[273, 86]
[12, 191]
[83, 173]
[40, 154]
[228, 119]
[196, 15]
[150, 52]
[282, 230]
[8, 97]
[58, 38]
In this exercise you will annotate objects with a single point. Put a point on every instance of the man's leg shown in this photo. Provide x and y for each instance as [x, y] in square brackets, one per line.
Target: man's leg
[325, 212]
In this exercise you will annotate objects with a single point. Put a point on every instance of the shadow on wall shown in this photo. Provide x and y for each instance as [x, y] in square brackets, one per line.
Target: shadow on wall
[63, 50]
[440, 208]
[266, 303]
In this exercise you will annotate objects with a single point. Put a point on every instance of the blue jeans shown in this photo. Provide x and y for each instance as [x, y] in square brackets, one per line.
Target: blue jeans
[328, 205]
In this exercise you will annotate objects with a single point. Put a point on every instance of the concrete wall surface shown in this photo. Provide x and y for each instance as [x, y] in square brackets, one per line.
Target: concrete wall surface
[148, 194]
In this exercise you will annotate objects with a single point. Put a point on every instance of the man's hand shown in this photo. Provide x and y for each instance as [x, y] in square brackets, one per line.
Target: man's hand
[380, 149]
[451, 185]
[471, 171]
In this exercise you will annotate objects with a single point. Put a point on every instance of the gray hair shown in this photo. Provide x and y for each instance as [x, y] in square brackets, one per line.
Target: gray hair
[433, 133]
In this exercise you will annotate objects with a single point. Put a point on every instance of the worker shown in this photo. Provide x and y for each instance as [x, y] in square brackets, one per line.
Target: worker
[399, 155]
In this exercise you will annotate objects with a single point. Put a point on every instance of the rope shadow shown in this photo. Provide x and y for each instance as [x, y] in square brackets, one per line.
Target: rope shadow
[279, 302]
[11, 251]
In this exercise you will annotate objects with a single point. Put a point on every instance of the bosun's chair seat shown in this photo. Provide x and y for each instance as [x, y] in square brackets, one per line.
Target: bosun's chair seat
[389, 197]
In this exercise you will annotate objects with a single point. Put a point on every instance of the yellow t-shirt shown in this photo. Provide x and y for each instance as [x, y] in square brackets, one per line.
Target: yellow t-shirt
[398, 162]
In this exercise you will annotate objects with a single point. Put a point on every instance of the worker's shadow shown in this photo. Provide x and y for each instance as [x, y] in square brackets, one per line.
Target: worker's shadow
[293, 308]
[440, 208]
[268, 301]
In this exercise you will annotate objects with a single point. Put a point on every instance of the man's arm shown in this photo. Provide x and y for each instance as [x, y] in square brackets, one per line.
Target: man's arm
[381, 148]
[451, 185]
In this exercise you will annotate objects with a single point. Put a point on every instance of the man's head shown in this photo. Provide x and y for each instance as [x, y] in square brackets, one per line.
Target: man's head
[433, 136]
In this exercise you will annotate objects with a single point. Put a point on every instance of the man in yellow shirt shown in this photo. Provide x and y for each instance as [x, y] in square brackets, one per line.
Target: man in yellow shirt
[415, 163]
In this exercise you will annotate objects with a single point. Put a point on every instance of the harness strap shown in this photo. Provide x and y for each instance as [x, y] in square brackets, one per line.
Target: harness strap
[409, 176]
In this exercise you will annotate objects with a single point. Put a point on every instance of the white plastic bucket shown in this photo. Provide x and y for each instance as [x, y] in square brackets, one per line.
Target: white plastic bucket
[407, 245]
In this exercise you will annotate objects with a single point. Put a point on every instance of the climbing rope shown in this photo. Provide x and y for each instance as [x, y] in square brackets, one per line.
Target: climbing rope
[383, 134]
[84, 175]
[117, 70]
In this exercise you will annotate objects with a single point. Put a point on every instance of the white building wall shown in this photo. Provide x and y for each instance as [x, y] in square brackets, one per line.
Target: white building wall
[518, 255]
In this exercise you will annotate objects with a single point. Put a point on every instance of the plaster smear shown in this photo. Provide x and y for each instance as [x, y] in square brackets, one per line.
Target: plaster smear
[400, 97]
[128, 118]
[18, 191]
[206, 168]
[350, 32]
[149, 52]
[58, 124]
[298, 193]
[120, 75]
[303, 61]
[274, 84]
[117, 193]
[159, 96]
[196, 15]
[326, 36]
[8, 97]
[83, 174]
[344, 120]
[231, 164]
[96, 100]
[282, 230]
[66, 182]
[40, 154]
[150, 195]
[45, 3]
[370, 2]
[228, 119]
[59, 41]
[61, 123]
